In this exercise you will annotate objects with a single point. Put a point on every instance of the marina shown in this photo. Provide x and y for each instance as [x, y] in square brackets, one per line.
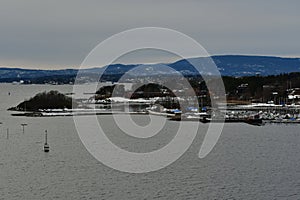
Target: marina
[255, 114]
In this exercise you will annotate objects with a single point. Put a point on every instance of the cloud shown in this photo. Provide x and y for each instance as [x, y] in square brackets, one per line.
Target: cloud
[57, 34]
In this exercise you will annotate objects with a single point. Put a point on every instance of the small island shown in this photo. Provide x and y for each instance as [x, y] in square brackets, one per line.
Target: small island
[46, 100]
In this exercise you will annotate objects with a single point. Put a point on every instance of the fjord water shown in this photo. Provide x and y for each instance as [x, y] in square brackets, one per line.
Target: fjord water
[248, 162]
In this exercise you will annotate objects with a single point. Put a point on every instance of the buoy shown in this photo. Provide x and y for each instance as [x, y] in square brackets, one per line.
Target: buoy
[23, 125]
[46, 145]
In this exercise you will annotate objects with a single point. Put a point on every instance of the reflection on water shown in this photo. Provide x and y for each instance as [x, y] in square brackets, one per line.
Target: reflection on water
[248, 162]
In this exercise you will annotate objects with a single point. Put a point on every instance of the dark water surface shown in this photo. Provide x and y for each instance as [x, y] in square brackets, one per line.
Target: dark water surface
[248, 162]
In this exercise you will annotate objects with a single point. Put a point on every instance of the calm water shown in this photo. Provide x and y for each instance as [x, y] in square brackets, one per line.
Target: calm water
[248, 162]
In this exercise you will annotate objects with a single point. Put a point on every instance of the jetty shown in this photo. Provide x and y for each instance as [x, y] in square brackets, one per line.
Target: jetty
[71, 112]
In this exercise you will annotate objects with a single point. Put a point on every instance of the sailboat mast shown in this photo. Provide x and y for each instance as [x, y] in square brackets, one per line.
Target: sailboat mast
[46, 137]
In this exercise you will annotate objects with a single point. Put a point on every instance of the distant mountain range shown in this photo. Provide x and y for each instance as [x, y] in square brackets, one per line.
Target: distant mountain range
[228, 65]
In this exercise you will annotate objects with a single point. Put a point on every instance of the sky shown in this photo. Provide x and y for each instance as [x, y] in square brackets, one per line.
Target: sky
[60, 33]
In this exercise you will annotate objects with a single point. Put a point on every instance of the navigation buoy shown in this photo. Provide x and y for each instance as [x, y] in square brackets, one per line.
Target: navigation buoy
[46, 145]
[23, 126]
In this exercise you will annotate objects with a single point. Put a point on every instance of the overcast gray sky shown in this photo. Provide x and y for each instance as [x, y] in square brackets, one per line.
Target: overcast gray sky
[60, 33]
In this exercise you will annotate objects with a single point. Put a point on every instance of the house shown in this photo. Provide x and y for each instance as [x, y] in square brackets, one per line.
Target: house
[294, 94]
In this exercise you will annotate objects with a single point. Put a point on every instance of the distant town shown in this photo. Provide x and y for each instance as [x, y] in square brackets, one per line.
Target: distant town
[256, 87]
